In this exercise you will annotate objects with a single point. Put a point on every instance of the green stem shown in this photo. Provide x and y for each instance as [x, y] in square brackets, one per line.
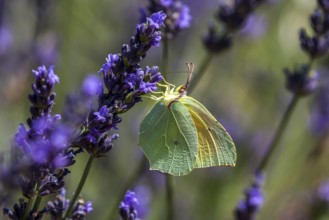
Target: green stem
[37, 203]
[80, 186]
[278, 134]
[165, 58]
[30, 202]
[201, 72]
[28, 208]
[133, 179]
[169, 196]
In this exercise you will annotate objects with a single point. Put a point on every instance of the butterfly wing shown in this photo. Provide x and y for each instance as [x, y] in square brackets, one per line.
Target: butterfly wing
[168, 138]
[215, 146]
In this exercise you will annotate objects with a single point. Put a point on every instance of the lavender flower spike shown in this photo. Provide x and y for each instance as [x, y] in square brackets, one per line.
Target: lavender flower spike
[43, 98]
[248, 207]
[42, 147]
[125, 84]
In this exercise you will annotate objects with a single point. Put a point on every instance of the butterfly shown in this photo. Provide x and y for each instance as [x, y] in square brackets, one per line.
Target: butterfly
[179, 134]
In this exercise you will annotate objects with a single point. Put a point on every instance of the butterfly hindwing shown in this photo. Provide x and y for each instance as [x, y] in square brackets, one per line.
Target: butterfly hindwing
[215, 146]
[169, 138]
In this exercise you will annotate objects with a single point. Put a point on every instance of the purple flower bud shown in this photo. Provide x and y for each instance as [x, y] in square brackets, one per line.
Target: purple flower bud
[320, 22]
[214, 42]
[313, 46]
[233, 19]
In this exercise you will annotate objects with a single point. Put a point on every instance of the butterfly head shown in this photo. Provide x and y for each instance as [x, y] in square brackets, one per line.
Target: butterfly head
[183, 88]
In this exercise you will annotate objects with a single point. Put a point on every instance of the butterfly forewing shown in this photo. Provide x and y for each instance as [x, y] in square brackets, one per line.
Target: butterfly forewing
[215, 146]
[169, 138]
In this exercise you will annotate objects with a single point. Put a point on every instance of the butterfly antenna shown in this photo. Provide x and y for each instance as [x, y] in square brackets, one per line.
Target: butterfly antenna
[190, 69]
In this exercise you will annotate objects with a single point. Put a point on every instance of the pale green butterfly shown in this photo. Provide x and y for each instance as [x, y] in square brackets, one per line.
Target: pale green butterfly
[179, 134]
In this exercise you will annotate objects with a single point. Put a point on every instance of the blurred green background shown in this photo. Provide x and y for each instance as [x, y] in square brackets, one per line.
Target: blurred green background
[243, 88]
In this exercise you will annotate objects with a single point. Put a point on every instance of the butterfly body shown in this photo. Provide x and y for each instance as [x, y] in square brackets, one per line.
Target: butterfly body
[180, 134]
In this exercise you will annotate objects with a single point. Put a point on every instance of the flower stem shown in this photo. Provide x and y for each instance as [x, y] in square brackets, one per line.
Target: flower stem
[200, 73]
[169, 196]
[37, 203]
[30, 202]
[165, 57]
[137, 174]
[278, 134]
[80, 186]
[28, 208]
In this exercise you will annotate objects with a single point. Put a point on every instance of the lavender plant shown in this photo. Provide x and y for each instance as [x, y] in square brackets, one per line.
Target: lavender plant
[46, 147]
[41, 152]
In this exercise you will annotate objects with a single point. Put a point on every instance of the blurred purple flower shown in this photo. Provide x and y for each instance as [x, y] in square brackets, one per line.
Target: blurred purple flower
[143, 195]
[248, 207]
[232, 18]
[319, 205]
[324, 4]
[46, 48]
[215, 42]
[45, 142]
[255, 26]
[323, 191]
[128, 207]
[79, 103]
[166, 3]
[92, 86]
[318, 44]
[301, 81]
[314, 46]
[319, 120]
[6, 39]
[178, 15]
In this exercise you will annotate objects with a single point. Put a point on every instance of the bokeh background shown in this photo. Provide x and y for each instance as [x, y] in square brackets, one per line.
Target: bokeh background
[243, 88]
